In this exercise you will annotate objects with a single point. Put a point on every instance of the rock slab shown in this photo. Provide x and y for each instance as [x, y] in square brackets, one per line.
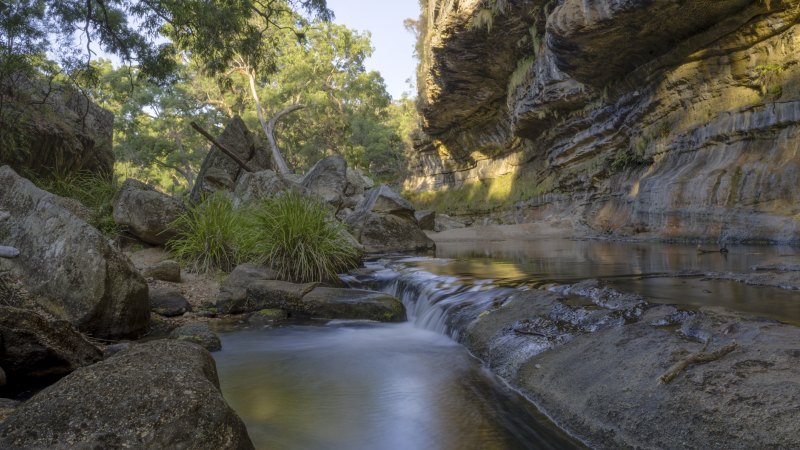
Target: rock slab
[158, 395]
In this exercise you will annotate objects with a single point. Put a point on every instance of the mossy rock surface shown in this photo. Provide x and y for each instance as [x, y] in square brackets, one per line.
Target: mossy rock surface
[354, 304]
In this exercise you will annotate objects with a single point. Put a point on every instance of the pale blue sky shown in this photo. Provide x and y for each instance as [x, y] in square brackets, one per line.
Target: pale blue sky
[394, 46]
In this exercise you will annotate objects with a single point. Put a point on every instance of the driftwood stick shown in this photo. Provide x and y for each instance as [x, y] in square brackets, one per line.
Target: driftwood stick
[225, 150]
[695, 358]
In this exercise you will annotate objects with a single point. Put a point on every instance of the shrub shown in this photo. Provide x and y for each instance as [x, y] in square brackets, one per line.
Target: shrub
[211, 235]
[298, 239]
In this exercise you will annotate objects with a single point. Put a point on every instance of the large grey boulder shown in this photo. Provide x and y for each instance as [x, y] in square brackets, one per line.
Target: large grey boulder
[219, 173]
[274, 294]
[426, 219]
[255, 186]
[34, 351]
[145, 212]
[327, 180]
[232, 298]
[384, 222]
[158, 395]
[70, 267]
[357, 185]
[166, 270]
[354, 304]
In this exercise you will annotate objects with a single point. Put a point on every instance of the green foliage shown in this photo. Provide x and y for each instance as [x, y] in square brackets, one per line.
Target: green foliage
[93, 191]
[212, 235]
[297, 238]
[520, 74]
[769, 76]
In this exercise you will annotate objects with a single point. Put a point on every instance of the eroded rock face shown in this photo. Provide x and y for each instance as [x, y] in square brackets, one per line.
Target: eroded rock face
[71, 268]
[171, 397]
[633, 118]
[145, 212]
[384, 222]
[34, 351]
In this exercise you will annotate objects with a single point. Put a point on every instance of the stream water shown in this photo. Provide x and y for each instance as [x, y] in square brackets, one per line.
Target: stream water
[359, 385]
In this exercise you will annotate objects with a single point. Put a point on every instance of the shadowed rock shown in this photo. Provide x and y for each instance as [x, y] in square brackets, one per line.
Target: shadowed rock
[145, 212]
[158, 395]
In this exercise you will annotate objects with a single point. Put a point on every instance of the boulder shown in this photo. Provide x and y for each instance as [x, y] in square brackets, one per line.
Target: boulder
[165, 271]
[145, 212]
[219, 173]
[274, 294]
[233, 290]
[168, 302]
[426, 219]
[34, 351]
[255, 186]
[357, 185]
[200, 334]
[157, 395]
[354, 304]
[384, 222]
[70, 267]
[327, 180]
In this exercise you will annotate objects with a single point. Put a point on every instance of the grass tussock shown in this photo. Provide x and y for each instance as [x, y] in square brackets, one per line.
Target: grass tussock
[297, 238]
[212, 236]
[294, 236]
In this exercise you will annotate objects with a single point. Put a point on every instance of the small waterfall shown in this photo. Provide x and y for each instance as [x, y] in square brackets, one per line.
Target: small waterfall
[440, 303]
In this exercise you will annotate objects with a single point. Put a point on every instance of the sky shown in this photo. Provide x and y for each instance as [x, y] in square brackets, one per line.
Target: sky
[394, 46]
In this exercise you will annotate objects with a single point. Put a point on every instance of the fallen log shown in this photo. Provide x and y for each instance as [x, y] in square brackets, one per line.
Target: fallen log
[224, 149]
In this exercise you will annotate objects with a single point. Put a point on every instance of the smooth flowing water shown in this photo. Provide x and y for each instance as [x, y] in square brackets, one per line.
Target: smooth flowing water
[351, 385]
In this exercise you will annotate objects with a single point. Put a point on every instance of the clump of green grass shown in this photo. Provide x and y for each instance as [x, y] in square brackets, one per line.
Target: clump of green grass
[211, 236]
[297, 238]
[96, 192]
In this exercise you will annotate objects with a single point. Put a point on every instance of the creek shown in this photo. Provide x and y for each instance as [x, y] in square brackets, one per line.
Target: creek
[362, 385]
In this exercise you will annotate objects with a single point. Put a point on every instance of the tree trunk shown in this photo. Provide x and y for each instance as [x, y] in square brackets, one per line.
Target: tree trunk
[269, 128]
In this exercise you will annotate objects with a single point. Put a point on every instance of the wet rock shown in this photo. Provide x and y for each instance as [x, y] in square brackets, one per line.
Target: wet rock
[252, 187]
[385, 222]
[354, 304]
[631, 304]
[789, 280]
[168, 302]
[232, 297]
[145, 212]
[426, 219]
[200, 334]
[219, 173]
[274, 294]
[34, 351]
[267, 317]
[157, 395]
[165, 271]
[71, 268]
[327, 180]
[159, 326]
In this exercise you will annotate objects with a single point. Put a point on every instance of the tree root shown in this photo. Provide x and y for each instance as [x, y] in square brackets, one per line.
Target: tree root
[695, 358]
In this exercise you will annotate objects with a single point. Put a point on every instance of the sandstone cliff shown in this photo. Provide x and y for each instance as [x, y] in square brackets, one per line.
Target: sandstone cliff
[666, 119]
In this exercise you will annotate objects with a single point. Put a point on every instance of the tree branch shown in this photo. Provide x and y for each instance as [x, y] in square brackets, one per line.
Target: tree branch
[270, 130]
[695, 358]
[224, 149]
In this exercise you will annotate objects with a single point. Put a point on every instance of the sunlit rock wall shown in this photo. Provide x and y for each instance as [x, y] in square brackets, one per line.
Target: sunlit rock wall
[636, 118]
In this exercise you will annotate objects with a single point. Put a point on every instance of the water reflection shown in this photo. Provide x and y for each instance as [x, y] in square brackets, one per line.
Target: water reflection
[626, 266]
[378, 386]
